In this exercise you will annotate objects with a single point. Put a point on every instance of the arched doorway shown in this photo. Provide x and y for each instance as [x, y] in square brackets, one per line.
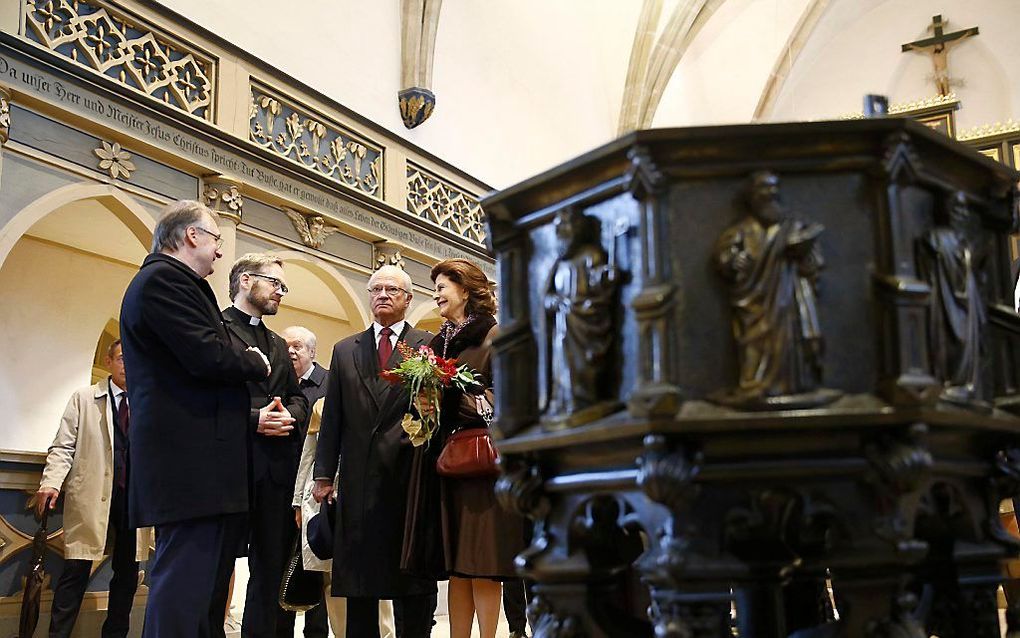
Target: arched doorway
[65, 261]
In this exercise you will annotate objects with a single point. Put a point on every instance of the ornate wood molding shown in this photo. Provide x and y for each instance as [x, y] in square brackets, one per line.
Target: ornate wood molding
[431, 198]
[137, 55]
[313, 141]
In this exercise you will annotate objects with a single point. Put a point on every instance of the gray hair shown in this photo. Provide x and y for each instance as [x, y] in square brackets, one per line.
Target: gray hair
[251, 262]
[304, 334]
[177, 217]
[392, 271]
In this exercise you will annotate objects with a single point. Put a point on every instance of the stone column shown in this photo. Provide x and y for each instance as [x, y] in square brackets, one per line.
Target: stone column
[224, 197]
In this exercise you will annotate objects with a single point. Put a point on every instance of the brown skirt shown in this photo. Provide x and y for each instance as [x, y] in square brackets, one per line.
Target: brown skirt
[480, 538]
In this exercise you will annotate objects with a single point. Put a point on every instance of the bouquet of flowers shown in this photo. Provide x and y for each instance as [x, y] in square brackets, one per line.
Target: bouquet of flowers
[425, 375]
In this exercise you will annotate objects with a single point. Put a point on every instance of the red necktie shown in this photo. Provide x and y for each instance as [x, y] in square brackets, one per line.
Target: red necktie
[123, 414]
[385, 347]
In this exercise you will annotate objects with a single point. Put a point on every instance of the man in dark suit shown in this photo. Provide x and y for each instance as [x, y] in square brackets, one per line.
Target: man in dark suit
[189, 422]
[257, 286]
[361, 433]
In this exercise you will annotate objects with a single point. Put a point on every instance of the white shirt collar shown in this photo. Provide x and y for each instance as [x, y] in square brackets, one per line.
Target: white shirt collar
[397, 328]
[253, 321]
[308, 373]
[116, 389]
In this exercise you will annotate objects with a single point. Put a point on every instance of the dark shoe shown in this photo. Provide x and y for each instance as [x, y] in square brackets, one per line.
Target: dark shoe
[518, 634]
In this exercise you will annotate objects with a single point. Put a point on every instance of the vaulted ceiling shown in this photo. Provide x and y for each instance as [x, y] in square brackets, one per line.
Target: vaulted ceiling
[521, 85]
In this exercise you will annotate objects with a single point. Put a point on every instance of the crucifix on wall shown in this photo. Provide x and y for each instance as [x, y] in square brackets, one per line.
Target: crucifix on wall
[938, 46]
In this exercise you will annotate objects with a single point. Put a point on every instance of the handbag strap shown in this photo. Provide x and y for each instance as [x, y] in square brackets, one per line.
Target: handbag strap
[484, 408]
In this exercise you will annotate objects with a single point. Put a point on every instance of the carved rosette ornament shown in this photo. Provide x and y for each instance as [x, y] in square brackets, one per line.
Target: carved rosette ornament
[224, 197]
[5, 114]
[416, 105]
[114, 160]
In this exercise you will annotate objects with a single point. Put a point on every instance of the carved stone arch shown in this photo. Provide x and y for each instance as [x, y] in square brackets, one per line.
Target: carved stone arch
[348, 296]
[138, 220]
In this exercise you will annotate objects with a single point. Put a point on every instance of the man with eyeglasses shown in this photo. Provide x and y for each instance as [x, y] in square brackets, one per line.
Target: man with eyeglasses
[277, 419]
[360, 431]
[189, 432]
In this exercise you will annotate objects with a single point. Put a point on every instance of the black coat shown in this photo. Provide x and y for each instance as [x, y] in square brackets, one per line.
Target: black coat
[189, 402]
[276, 456]
[361, 431]
[315, 388]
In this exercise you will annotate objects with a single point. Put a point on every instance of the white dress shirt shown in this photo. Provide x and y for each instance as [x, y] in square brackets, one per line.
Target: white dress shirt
[397, 328]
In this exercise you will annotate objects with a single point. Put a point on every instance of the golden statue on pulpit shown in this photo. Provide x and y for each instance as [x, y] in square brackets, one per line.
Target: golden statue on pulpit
[771, 262]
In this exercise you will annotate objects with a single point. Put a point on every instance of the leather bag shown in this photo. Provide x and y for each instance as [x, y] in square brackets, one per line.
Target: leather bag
[300, 590]
[468, 453]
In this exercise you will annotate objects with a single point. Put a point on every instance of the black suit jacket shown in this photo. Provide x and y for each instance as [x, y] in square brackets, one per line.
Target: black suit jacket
[361, 432]
[315, 388]
[276, 456]
[189, 401]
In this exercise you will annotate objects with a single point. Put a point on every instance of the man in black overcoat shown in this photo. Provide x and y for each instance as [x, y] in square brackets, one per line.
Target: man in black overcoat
[361, 433]
[257, 286]
[189, 422]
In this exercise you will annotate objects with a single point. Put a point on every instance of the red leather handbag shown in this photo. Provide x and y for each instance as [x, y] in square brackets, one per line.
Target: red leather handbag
[468, 454]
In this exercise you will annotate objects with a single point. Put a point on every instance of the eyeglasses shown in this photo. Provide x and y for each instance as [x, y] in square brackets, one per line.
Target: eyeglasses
[391, 291]
[218, 238]
[282, 287]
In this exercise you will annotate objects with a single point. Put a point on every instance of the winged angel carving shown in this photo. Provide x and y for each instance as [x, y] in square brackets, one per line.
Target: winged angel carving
[313, 229]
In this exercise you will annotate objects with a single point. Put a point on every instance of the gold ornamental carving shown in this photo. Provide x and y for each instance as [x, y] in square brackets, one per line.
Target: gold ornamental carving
[446, 206]
[225, 198]
[393, 259]
[312, 229]
[5, 114]
[99, 38]
[308, 139]
[114, 160]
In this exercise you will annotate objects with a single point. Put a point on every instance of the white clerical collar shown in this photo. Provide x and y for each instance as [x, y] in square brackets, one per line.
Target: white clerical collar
[307, 376]
[254, 321]
[397, 328]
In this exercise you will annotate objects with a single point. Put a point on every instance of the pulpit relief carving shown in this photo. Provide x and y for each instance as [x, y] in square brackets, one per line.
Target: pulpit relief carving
[771, 261]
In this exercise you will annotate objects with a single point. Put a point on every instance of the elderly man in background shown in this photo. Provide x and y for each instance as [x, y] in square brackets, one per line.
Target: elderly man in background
[88, 461]
[189, 433]
[301, 343]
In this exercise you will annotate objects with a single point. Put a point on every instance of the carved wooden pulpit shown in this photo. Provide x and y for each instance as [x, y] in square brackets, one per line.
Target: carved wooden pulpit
[761, 379]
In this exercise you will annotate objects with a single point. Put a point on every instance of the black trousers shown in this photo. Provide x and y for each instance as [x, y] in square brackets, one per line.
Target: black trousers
[515, 605]
[193, 559]
[74, 579]
[316, 622]
[271, 536]
[412, 616]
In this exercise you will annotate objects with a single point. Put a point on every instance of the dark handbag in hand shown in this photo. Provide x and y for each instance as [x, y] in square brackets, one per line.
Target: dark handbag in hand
[468, 454]
[300, 590]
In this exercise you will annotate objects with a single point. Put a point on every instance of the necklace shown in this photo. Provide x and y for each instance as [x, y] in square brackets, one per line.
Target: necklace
[451, 329]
